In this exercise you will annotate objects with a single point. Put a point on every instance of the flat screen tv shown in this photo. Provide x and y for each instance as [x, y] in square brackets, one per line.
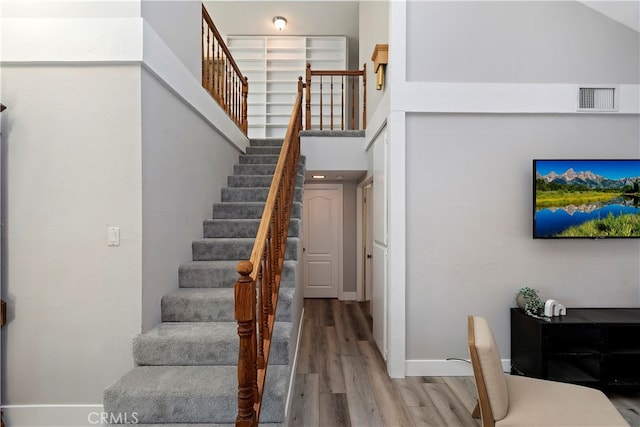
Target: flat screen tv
[590, 199]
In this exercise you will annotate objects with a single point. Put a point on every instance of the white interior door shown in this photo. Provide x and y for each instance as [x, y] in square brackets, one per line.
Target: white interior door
[322, 240]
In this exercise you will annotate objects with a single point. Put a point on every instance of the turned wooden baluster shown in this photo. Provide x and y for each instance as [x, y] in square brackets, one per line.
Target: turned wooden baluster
[245, 314]
[342, 104]
[364, 96]
[245, 92]
[307, 103]
[261, 321]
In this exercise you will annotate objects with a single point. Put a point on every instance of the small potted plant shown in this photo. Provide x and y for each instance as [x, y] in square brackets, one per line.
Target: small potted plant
[529, 302]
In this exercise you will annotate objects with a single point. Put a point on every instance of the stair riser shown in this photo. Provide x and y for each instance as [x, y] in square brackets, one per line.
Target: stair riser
[207, 347]
[217, 307]
[237, 210]
[221, 249]
[193, 275]
[258, 159]
[244, 229]
[264, 150]
[266, 142]
[253, 194]
[260, 169]
[253, 181]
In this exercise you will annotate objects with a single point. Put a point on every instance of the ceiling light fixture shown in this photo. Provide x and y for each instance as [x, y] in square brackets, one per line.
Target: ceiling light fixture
[279, 22]
[318, 176]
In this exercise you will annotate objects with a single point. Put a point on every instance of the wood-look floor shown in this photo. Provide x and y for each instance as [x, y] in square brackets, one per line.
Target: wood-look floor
[341, 379]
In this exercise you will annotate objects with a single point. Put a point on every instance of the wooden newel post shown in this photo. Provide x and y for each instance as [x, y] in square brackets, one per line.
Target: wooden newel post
[245, 309]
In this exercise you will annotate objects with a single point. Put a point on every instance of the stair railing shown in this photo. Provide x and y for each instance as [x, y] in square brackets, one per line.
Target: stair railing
[221, 76]
[346, 98]
[256, 290]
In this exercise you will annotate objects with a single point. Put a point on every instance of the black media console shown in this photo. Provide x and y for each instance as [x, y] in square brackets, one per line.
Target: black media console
[597, 347]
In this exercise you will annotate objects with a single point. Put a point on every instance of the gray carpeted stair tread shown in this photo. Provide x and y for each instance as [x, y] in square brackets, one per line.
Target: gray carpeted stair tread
[248, 210]
[234, 248]
[249, 194]
[223, 274]
[241, 227]
[202, 343]
[216, 304]
[191, 394]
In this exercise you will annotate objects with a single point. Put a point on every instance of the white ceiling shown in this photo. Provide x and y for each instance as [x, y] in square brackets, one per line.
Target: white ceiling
[313, 18]
[625, 12]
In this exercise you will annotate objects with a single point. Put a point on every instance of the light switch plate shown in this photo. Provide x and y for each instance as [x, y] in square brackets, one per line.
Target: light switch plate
[113, 236]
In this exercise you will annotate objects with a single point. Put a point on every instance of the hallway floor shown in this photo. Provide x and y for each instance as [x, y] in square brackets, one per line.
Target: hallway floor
[341, 379]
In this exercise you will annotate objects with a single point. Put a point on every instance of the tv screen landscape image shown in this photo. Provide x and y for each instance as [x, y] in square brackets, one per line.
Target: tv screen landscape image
[586, 198]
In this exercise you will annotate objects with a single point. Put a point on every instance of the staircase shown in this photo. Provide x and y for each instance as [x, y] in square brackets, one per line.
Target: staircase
[186, 367]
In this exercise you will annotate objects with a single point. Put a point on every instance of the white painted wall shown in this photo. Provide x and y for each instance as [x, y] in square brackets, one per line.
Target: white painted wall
[468, 163]
[119, 136]
[71, 8]
[185, 163]
[178, 23]
[72, 166]
[469, 249]
[518, 42]
[333, 153]
[374, 29]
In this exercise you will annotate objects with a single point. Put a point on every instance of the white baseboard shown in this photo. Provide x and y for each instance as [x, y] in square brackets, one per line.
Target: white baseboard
[81, 415]
[347, 296]
[444, 368]
[294, 367]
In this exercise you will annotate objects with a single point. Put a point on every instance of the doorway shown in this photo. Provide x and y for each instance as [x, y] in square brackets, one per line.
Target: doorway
[322, 240]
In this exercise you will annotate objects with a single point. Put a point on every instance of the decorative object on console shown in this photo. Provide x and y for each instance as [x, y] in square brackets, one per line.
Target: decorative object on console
[529, 302]
[554, 308]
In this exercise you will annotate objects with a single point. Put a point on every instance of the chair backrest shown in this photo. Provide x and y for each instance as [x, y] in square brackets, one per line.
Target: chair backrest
[487, 370]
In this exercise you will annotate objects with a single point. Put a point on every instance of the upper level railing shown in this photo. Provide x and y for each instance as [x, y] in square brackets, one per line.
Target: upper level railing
[256, 290]
[335, 99]
[221, 76]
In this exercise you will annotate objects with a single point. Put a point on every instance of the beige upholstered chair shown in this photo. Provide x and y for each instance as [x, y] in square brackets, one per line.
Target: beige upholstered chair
[511, 400]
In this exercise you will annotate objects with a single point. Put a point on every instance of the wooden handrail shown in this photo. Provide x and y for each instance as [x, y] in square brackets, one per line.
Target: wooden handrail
[221, 76]
[256, 290]
[351, 76]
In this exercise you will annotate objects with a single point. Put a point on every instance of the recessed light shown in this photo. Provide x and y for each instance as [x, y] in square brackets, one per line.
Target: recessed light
[318, 176]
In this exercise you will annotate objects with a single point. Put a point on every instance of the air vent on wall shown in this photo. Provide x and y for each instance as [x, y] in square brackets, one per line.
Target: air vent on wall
[596, 99]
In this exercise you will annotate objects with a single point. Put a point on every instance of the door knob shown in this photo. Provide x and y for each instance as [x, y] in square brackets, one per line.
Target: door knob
[368, 256]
